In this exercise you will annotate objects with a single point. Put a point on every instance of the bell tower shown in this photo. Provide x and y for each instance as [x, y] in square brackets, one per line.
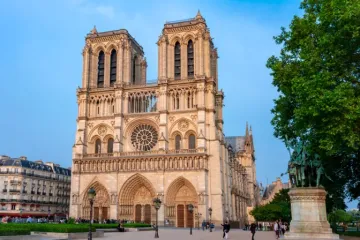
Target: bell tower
[186, 50]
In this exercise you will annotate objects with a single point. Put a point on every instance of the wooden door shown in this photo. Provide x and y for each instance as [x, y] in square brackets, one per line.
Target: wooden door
[189, 219]
[96, 213]
[180, 216]
[138, 213]
[147, 218]
[104, 213]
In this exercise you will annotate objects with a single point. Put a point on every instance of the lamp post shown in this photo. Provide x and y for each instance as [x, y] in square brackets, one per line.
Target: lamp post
[21, 215]
[91, 197]
[191, 209]
[198, 216]
[210, 212]
[157, 205]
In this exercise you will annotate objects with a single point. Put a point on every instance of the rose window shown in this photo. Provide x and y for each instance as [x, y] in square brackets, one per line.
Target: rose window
[144, 137]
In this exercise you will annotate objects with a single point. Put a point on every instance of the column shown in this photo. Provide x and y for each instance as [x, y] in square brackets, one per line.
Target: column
[120, 64]
[107, 70]
[183, 60]
[206, 55]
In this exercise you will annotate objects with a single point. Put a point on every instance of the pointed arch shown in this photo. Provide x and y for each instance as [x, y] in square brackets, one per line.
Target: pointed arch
[101, 204]
[172, 192]
[131, 186]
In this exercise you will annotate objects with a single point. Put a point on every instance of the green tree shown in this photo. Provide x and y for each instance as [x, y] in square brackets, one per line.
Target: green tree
[340, 216]
[278, 208]
[282, 197]
[318, 77]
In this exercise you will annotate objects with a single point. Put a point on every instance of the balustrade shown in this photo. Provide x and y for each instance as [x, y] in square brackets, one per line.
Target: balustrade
[162, 163]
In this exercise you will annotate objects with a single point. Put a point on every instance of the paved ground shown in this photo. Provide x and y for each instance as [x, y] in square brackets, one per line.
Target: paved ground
[183, 234]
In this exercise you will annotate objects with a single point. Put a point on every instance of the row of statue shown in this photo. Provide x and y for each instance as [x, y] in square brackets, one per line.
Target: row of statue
[304, 169]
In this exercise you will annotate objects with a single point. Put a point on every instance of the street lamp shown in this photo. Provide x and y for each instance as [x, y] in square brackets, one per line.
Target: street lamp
[157, 205]
[21, 214]
[210, 211]
[91, 197]
[191, 209]
[198, 216]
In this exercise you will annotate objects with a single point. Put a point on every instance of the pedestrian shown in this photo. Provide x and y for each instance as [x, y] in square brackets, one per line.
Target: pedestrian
[226, 229]
[203, 225]
[277, 229]
[253, 230]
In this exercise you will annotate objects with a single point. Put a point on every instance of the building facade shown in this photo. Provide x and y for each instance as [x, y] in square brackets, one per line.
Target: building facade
[137, 140]
[33, 189]
[272, 189]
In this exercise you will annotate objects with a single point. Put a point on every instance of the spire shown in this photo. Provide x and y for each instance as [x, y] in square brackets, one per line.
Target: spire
[94, 31]
[247, 129]
[198, 15]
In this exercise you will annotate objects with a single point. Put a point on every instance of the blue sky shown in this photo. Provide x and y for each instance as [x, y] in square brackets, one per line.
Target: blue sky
[41, 67]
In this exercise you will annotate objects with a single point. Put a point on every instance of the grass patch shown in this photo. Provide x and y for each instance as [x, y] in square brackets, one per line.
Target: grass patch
[350, 234]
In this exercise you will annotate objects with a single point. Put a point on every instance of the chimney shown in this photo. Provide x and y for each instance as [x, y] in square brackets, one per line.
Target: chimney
[23, 158]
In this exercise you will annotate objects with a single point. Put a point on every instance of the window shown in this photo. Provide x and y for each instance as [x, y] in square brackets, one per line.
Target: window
[191, 141]
[101, 61]
[110, 145]
[16, 170]
[190, 58]
[134, 70]
[177, 142]
[177, 63]
[98, 146]
[113, 68]
[13, 206]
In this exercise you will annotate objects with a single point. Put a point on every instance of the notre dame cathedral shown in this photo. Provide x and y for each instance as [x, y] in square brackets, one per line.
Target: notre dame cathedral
[137, 140]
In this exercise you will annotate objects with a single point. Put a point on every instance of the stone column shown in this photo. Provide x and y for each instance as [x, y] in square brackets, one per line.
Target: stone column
[183, 60]
[107, 69]
[206, 55]
[120, 63]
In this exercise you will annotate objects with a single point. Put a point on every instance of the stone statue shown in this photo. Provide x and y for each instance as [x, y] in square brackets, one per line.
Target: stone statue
[304, 169]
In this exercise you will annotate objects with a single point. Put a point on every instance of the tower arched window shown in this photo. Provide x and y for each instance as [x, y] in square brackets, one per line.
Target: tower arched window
[177, 142]
[113, 61]
[192, 141]
[110, 145]
[101, 62]
[190, 58]
[98, 146]
[134, 70]
[177, 62]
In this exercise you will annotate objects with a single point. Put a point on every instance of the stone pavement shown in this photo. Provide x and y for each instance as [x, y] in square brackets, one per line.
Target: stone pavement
[184, 234]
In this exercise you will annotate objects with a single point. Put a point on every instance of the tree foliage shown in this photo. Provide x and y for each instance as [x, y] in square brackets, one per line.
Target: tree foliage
[318, 77]
[340, 216]
[278, 208]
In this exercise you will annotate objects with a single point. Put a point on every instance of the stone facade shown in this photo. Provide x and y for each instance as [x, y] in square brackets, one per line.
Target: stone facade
[137, 140]
[33, 189]
[272, 189]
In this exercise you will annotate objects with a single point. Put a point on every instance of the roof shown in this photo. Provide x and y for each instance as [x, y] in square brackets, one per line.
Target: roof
[35, 166]
[237, 142]
[95, 34]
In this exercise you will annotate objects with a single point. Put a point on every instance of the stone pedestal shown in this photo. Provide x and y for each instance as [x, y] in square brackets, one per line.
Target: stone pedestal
[309, 219]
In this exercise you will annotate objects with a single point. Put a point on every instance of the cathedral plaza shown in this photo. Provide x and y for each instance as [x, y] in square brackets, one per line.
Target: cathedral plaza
[138, 140]
[183, 234]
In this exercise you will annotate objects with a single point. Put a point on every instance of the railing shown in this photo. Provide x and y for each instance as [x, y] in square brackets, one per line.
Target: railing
[180, 21]
[141, 153]
[4, 190]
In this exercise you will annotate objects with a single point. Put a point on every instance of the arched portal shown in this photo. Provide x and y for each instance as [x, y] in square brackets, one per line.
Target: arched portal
[135, 200]
[101, 206]
[179, 195]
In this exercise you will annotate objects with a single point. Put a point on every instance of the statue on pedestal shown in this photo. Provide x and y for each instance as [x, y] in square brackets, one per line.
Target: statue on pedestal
[304, 169]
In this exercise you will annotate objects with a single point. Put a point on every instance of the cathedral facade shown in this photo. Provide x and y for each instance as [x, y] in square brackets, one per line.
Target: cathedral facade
[137, 140]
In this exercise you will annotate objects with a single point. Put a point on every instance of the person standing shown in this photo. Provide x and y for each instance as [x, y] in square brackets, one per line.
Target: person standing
[277, 229]
[226, 229]
[203, 225]
[253, 230]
